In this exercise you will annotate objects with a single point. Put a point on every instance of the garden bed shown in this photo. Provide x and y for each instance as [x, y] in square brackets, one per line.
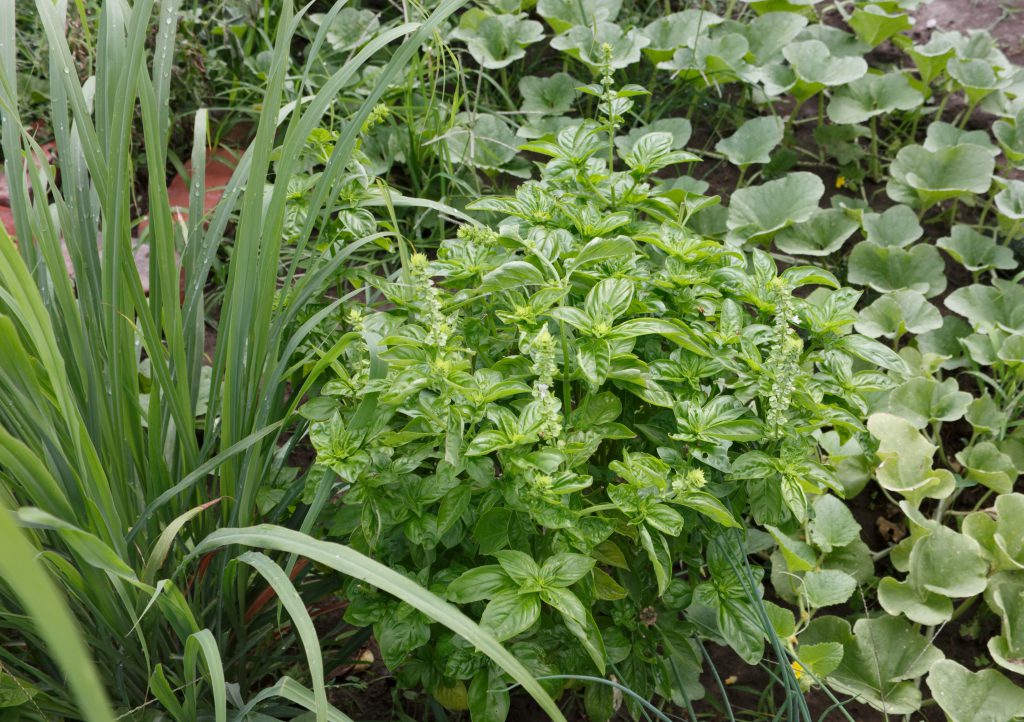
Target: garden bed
[572, 360]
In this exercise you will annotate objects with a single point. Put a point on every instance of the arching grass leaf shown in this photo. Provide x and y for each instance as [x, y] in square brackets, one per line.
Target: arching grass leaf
[352, 563]
[48, 610]
[287, 688]
[292, 602]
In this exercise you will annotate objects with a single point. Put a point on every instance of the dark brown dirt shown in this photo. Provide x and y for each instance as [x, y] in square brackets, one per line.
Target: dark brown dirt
[370, 698]
[1003, 18]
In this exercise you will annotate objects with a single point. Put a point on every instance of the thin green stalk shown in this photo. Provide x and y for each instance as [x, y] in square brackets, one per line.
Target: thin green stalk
[876, 166]
[1011, 235]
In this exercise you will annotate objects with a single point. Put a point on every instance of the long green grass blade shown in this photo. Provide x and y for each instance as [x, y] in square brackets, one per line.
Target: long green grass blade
[166, 539]
[350, 562]
[292, 602]
[53, 621]
[203, 642]
[287, 688]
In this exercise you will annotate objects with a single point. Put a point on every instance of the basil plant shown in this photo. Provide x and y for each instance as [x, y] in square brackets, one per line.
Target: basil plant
[553, 424]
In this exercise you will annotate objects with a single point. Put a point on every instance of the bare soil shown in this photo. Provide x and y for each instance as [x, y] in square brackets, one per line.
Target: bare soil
[1003, 18]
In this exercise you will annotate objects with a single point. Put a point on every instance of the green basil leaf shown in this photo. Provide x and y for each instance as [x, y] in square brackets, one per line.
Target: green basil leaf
[511, 613]
[563, 570]
[480, 583]
[518, 565]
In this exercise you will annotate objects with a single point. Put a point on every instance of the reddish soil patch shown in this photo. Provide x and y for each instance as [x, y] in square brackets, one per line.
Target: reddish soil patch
[220, 164]
[7, 220]
[6, 216]
[219, 168]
